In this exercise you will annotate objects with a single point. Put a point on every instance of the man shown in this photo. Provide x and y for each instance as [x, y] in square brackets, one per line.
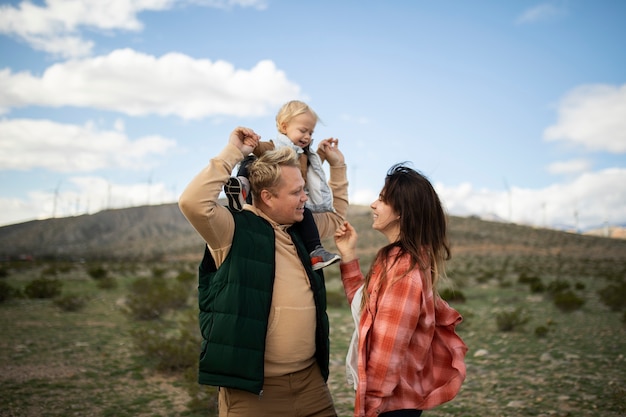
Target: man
[262, 307]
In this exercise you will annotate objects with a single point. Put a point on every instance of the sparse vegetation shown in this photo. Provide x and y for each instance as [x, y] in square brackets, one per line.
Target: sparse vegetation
[614, 296]
[43, 288]
[105, 360]
[567, 301]
[97, 272]
[107, 283]
[71, 302]
[510, 320]
[558, 286]
[534, 283]
[173, 349]
[151, 298]
[541, 331]
[6, 291]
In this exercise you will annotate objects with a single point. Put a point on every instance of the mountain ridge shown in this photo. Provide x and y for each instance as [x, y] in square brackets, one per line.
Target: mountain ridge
[162, 232]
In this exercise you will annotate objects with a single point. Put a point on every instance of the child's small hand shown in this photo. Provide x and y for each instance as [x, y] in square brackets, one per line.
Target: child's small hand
[328, 149]
[249, 141]
[245, 139]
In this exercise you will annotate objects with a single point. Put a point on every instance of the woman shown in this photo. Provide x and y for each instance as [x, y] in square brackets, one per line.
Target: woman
[408, 355]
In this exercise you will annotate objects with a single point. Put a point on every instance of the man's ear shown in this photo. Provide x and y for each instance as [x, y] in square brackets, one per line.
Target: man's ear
[266, 197]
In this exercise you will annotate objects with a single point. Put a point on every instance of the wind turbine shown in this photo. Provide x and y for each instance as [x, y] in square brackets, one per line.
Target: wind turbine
[56, 197]
[508, 191]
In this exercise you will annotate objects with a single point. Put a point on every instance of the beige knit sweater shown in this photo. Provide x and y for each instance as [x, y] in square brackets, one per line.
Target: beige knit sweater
[290, 343]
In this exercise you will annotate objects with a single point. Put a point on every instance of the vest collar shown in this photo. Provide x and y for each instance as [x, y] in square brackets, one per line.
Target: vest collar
[261, 214]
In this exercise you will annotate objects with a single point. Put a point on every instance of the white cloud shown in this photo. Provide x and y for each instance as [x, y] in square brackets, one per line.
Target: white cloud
[139, 84]
[364, 196]
[541, 12]
[28, 144]
[592, 116]
[61, 46]
[574, 166]
[229, 4]
[588, 201]
[15, 210]
[101, 194]
[54, 27]
[79, 195]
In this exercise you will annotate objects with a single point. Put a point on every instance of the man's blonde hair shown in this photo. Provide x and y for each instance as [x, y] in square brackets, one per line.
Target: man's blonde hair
[265, 172]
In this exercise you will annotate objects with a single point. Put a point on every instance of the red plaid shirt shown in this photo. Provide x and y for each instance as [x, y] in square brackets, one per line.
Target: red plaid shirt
[410, 356]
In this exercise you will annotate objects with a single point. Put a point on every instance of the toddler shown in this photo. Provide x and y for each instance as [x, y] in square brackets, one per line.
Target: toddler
[295, 122]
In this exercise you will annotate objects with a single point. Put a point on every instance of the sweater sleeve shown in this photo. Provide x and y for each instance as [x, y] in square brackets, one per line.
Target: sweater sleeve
[328, 222]
[199, 203]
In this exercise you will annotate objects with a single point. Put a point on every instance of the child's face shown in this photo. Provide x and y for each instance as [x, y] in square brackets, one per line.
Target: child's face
[300, 129]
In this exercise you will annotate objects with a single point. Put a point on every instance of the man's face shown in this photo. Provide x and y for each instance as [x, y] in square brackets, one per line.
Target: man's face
[287, 205]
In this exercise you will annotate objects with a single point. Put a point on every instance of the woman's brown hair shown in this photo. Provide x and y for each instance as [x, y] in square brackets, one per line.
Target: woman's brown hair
[423, 224]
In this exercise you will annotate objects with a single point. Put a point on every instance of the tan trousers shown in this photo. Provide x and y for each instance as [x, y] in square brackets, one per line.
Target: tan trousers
[300, 394]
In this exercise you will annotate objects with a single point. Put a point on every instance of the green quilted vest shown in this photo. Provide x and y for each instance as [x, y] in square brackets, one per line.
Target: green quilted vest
[235, 302]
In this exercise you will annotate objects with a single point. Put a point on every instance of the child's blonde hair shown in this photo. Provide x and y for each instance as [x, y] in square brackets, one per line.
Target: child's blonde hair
[290, 110]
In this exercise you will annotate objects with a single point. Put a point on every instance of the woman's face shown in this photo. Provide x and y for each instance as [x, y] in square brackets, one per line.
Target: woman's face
[385, 218]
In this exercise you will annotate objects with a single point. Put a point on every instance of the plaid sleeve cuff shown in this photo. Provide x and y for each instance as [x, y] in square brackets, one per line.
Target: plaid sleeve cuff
[351, 277]
[350, 269]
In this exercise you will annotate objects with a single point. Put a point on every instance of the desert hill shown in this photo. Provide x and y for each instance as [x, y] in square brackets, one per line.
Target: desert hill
[161, 232]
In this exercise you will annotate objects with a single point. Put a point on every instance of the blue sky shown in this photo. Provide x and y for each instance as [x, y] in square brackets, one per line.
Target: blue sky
[515, 110]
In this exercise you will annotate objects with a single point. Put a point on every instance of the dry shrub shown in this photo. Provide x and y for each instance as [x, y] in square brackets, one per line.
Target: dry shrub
[71, 302]
[614, 296]
[7, 291]
[43, 288]
[97, 272]
[567, 301]
[150, 298]
[509, 320]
